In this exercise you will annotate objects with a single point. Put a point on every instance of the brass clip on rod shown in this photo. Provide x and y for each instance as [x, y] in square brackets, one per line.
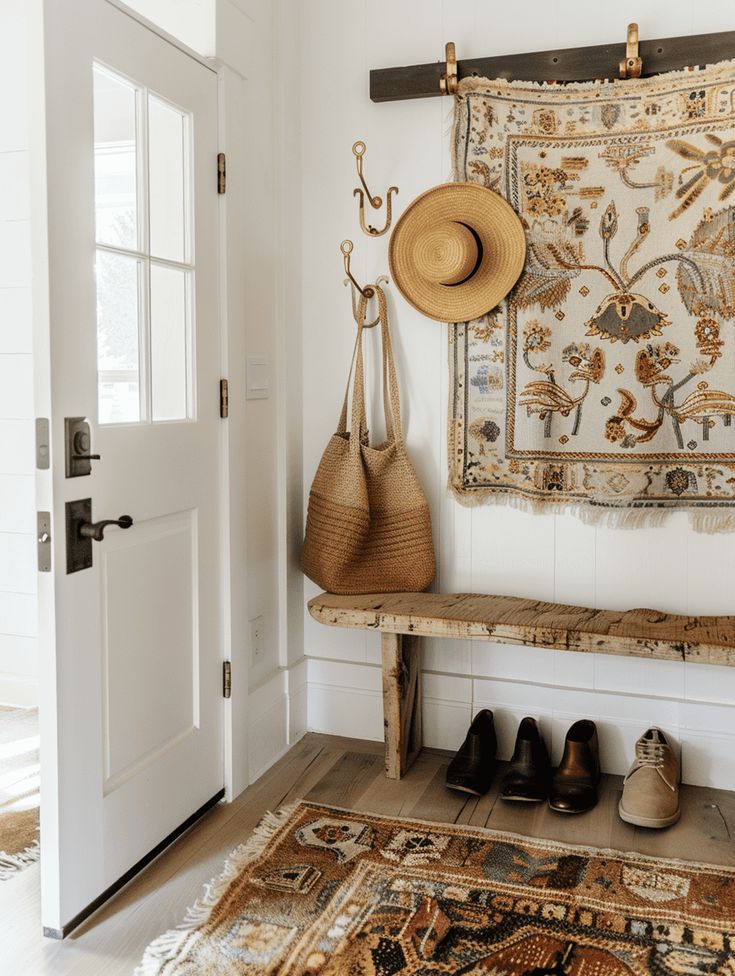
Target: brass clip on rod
[449, 80]
[632, 64]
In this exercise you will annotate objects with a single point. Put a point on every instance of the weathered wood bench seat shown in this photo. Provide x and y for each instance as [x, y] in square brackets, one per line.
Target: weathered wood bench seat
[401, 618]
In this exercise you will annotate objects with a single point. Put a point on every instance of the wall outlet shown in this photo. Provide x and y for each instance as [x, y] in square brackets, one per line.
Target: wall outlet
[257, 641]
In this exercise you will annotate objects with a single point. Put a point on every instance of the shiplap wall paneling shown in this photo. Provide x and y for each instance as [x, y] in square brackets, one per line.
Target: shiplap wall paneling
[487, 548]
[18, 646]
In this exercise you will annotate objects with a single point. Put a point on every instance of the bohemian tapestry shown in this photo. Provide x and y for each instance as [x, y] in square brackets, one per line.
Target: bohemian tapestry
[605, 383]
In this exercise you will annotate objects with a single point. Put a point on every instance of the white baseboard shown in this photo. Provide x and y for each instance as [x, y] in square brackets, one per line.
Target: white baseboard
[277, 711]
[17, 691]
[344, 698]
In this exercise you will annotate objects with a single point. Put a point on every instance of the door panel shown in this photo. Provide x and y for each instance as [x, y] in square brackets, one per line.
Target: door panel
[150, 645]
[131, 143]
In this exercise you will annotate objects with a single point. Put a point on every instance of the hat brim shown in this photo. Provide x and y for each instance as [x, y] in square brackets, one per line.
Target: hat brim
[499, 230]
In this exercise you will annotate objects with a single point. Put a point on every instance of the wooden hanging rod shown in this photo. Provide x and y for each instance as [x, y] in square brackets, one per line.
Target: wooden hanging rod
[569, 64]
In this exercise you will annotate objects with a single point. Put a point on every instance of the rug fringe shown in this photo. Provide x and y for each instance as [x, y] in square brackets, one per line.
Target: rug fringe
[11, 863]
[167, 948]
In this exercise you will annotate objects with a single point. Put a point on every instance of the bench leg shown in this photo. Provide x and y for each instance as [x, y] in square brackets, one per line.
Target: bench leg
[401, 701]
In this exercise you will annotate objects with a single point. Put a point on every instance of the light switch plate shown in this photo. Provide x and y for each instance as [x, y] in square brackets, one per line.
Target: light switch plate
[258, 378]
[257, 641]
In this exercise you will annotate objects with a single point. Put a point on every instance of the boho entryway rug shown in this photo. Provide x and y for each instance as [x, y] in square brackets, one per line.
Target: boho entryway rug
[605, 384]
[318, 890]
[19, 796]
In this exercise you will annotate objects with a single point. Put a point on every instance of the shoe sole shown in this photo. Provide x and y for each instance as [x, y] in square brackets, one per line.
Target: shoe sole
[522, 799]
[572, 813]
[653, 822]
[464, 789]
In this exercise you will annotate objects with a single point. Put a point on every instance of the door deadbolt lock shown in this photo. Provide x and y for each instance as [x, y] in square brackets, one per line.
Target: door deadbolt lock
[81, 531]
[77, 444]
[43, 530]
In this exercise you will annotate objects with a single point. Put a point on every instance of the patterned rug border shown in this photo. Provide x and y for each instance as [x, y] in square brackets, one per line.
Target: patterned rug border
[172, 946]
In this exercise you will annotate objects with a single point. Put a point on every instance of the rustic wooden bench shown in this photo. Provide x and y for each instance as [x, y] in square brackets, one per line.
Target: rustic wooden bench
[402, 618]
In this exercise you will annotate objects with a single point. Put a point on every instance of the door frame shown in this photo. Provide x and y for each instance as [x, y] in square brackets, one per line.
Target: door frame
[235, 753]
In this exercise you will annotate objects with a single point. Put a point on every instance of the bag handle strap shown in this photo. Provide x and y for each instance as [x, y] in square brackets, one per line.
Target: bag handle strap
[358, 425]
[342, 425]
[391, 395]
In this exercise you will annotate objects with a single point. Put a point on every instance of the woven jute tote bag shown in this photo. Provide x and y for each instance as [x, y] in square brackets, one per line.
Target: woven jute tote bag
[368, 527]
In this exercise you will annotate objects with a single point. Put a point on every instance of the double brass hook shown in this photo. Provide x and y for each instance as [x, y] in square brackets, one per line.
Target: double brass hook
[368, 291]
[359, 149]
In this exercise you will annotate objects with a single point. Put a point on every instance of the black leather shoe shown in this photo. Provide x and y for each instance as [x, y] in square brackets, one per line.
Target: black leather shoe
[574, 787]
[473, 768]
[528, 778]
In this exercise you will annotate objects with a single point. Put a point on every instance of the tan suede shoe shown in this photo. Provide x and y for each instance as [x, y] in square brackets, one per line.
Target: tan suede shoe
[651, 789]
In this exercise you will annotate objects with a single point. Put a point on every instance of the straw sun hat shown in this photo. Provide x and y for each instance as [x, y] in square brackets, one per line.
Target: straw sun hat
[457, 251]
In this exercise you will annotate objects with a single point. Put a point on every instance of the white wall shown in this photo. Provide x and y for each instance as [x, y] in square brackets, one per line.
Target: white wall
[489, 548]
[275, 713]
[267, 712]
[18, 641]
[191, 21]
[268, 708]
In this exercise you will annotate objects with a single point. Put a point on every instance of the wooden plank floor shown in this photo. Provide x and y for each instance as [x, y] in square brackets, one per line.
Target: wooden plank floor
[346, 773]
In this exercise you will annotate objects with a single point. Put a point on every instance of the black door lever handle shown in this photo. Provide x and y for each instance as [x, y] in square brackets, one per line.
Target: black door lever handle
[96, 530]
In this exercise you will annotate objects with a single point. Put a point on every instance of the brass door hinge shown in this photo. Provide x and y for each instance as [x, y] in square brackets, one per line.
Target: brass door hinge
[221, 173]
[226, 679]
[224, 399]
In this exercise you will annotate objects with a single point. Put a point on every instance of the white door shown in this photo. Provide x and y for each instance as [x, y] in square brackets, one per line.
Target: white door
[131, 145]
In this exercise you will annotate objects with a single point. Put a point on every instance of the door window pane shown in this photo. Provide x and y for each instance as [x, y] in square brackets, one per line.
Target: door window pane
[118, 344]
[115, 160]
[145, 271]
[170, 297]
[167, 134]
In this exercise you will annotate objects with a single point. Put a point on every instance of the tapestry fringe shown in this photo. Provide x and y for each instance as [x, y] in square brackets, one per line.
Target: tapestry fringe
[711, 523]
[640, 85]
[12, 863]
[172, 946]
[607, 517]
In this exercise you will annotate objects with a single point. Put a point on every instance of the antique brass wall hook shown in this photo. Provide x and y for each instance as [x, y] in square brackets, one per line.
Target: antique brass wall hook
[380, 280]
[632, 64]
[359, 148]
[448, 81]
[368, 291]
[346, 248]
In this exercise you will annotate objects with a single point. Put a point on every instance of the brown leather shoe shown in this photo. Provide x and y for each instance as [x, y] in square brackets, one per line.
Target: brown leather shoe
[574, 787]
[528, 777]
[473, 768]
[651, 788]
